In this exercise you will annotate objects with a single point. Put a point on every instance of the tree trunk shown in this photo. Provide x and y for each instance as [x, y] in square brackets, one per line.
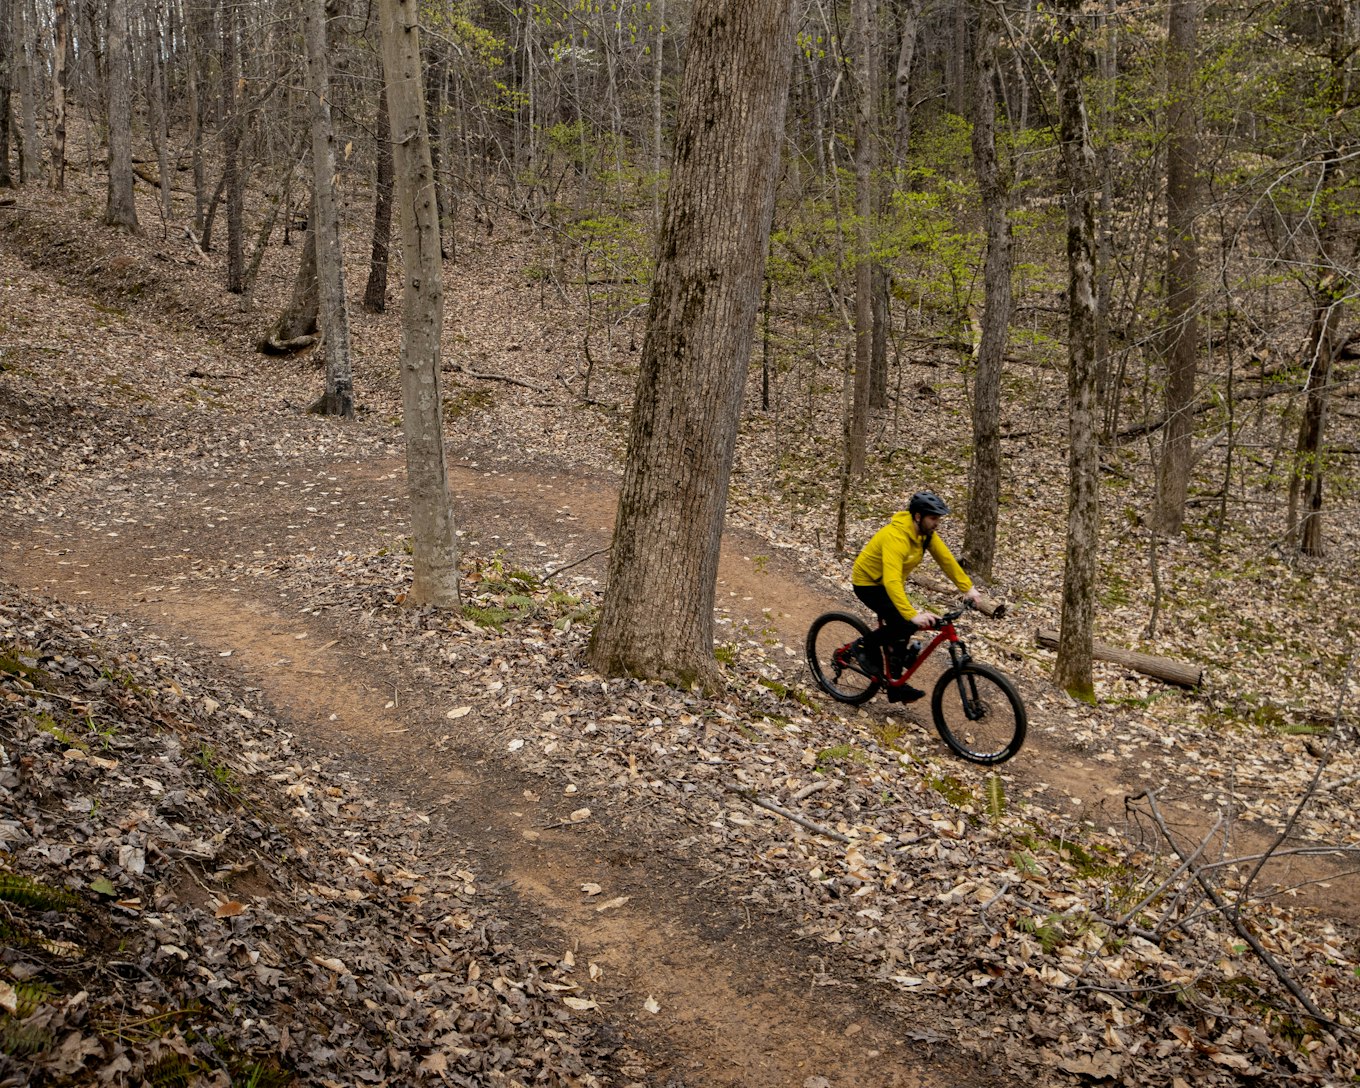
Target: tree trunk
[1306, 479]
[61, 32]
[295, 328]
[909, 16]
[193, 46]
[658, 612]
[1182, 298]
[434, 542]
[161, 95]
[658, 71]
[30, 150]
[862, 14]
[338, 399]
[984, 490]
[231, 152]
[6, 65]
[1073, 671]
[375, 292]
[121, 211]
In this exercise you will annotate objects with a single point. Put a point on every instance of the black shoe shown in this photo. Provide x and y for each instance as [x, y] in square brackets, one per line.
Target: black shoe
[904, 694]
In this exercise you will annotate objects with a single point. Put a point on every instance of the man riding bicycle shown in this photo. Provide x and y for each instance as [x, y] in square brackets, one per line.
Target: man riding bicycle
[879, 578]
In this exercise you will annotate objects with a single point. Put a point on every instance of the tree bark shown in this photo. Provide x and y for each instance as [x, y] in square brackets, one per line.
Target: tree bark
[375, 291]
[6, 107]
[1154, 665]
[61, 32]
[161, 95]
[984, 491]
[1073, 671]
[30, 151]
[338, 398]
[909, 16]
[296, 327]
[657, 619]
[233, 180]
[1305, 484]
[121, 211]
[1182, 260]
[862, 14]
[434, 542]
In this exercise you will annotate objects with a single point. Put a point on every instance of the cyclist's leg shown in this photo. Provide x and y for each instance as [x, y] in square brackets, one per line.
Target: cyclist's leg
[895, 627]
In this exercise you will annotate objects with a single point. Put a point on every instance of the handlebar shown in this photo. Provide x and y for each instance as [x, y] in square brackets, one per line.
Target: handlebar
[968, 606]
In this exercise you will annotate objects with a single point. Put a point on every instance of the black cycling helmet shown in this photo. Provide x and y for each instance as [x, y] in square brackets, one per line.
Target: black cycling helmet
[927, 502]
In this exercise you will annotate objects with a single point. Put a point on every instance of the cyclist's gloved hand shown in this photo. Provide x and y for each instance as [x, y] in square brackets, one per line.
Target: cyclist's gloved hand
[925, 620]
[973, 597]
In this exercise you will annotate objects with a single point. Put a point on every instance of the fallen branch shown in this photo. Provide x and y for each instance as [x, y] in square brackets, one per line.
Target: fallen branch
[780, 810]
[1233, 918]
[550, 574]
[499, 378]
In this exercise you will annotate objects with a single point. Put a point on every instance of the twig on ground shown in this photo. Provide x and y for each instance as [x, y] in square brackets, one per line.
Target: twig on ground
[500, 378]
[548, 575]
[780, 810]
[811, 788]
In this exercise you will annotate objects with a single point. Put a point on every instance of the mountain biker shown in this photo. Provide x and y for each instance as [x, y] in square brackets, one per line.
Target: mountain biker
[879, 578]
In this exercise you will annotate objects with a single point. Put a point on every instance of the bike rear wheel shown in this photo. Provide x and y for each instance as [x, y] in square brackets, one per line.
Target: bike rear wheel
[978, 713]
[845, 682]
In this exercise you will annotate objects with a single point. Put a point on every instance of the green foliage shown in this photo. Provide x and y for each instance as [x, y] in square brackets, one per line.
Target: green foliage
[951, 789]
[827, 757]
[210, 761]
[996, 797]
[21, 891]
[463, 401]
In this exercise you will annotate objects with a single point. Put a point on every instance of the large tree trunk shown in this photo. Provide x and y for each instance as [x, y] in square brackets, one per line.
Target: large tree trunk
[121, 211]
[658, 611]
[30, 151]
[1073, 671]
[434, 542]
[61, 31]
[984, 491]
[295, 328]
[375, 291]
[338, 398]
[161, 95]
[1182, 260]
[909, 16]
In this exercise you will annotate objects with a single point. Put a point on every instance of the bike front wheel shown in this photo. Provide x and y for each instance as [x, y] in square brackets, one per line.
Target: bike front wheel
[978, 713]
[828, 642]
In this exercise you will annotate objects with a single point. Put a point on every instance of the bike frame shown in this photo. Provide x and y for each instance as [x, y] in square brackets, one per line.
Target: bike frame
[946, 632]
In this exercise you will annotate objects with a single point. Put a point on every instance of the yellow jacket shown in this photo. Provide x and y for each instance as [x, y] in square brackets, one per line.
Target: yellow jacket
[894, 552]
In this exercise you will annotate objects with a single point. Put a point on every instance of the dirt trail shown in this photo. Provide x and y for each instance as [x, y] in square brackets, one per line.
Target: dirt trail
[738, 999]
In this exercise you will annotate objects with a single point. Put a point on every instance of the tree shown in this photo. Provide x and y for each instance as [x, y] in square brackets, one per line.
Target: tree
[60, 30]
[121, 211]
[375, 291]
[6, 40]
[338, 398]
[865, 100]
[1073, 672]
[233, 180]
[1182, 267]
[984, 490]
[434, 542]
[657, 619]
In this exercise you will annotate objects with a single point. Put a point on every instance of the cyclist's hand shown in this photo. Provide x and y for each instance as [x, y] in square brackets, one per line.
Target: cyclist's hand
[973, 597]
[925, 620]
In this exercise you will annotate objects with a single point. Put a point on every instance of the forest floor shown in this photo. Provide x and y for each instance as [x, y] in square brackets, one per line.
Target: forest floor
[167, 495]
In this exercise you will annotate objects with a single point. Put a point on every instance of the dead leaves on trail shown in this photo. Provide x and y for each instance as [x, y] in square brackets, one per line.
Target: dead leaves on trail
[183, 887]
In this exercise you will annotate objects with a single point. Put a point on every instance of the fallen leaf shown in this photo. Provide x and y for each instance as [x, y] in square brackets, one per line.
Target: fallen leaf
[9, 1000]
[579, 815]
[459, 712]
[230, 910]
[651, 1005]
[620, 901]
[580, 1004]
[591, 889]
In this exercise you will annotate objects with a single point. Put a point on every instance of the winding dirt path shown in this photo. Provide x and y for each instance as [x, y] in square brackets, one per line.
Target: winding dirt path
[742, 1002]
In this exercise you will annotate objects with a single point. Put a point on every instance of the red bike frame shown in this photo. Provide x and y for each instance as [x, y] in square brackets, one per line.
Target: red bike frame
[945, 632]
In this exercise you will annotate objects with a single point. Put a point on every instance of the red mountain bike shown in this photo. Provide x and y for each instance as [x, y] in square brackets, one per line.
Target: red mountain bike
[977, 710]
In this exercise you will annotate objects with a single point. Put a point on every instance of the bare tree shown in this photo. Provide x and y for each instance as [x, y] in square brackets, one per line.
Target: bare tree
[338, 398]
[1182, 266]
[6, 65]
[1073, 672]
[233, 179]
[865, 101]
[121, 211]
[375, 291]
[61, 26]
[434, 542]
[658, 612]
[984, 491]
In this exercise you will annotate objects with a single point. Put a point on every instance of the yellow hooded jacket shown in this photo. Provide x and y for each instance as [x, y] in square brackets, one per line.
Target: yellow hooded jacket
[894, 552]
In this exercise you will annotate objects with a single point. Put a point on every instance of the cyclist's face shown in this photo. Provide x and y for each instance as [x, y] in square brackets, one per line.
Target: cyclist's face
[928, 523]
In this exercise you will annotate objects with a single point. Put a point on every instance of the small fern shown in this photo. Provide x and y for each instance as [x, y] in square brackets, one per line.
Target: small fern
[23, 892]
[996, 797]
[20, 1040]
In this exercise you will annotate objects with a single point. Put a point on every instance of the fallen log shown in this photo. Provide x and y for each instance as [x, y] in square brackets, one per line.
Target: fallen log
[1160, 668]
